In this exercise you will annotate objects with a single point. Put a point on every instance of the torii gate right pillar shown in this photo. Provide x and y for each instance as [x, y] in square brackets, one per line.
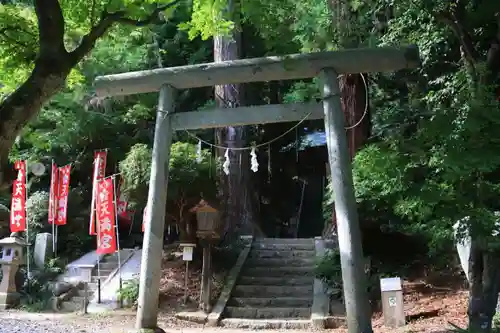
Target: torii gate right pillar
[348, 230]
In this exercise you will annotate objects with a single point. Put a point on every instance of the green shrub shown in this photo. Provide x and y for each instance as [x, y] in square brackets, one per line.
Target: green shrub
[329, 271]
[129, 294]
[36, 292]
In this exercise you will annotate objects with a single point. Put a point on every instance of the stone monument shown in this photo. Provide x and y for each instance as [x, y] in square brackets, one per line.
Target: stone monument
[43, 249]
[11, 257]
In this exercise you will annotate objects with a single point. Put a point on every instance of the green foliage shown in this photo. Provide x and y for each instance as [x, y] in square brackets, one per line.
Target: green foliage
[208, 19]
[188, 177]
[36, 293]
[136, 169]
[129, 294]
[37, 206]
[329, 271]
[19, 31]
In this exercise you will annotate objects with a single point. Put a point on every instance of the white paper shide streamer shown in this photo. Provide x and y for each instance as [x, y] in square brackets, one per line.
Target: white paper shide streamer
[199, 158]
[225, 165]
[254, 164]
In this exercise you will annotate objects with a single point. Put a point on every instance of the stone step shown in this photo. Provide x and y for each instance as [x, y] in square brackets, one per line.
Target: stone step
[280, 302]
[283, 247]
[267, 324]
[276, 281]
[284, 241]
[102, 278]
[272, 291]
[256, 253]
[267, 313]
[108, 265]
[103, 272]
[280, 262]
[278, 271]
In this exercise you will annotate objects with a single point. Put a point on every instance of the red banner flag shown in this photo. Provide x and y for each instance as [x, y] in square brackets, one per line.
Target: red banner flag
[105, 213]
[99, 172]
[18, 203]
[62, 194]
[54, 190]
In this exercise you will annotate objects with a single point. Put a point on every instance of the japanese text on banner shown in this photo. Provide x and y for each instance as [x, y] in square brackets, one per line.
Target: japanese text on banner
[99, 173]
[62, 202]
[105, 213]
[18, 203]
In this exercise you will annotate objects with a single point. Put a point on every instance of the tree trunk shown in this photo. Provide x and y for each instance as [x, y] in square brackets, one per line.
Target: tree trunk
[235, 190]
[354, 94]
[357, 115]
[484, 276]
[47, 78]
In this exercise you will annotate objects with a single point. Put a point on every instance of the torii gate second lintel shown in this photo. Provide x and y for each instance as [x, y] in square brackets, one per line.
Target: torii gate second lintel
[327, 66]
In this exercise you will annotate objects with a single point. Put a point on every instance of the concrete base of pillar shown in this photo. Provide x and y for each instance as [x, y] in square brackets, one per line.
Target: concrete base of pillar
[9, 300]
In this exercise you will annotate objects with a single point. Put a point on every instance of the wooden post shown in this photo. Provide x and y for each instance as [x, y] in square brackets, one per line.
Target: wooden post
[349, 235]
[205, 280]
[147, 311]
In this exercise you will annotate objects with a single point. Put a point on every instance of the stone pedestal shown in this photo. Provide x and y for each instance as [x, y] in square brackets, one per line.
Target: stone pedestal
[9, 300]
[9, 297]
[8, 283]
[43, 249]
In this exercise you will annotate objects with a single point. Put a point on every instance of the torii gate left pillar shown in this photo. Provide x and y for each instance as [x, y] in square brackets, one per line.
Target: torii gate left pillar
[326, 65]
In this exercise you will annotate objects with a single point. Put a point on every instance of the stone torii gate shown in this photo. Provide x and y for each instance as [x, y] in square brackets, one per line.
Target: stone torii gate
[327, 66]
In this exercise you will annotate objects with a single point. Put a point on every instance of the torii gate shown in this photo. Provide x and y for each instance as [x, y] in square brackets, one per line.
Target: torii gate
[326, 65]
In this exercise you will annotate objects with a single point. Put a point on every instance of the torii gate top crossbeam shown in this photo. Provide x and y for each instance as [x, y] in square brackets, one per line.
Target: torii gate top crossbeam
[290, 67]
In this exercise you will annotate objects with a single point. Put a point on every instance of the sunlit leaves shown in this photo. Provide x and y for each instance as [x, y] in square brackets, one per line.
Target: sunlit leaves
[208, 19]
[18, 44]
[188, 175]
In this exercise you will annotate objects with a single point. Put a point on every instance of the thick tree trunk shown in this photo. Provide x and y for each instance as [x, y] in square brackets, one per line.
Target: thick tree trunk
[235, 190]
[357, 115]
[484, 275]
[48, 77]
[353, 91]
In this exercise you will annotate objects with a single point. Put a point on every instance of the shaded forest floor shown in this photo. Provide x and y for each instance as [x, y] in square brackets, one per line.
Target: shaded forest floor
[430, 307]
[172, 290]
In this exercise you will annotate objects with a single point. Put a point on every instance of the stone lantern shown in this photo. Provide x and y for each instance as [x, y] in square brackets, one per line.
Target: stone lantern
[11, 257]
[209, 221]
[210, 226]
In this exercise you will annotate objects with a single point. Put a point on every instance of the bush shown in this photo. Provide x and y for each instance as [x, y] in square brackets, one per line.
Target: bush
[328, 270]
[36, 292]
[129, 294]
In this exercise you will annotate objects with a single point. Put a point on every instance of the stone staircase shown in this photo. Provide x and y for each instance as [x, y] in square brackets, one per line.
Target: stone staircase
[74, 300]
[275, 286]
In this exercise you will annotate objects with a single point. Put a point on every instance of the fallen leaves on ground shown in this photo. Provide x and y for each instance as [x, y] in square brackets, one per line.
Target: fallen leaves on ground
[429, 308]
[172, 289]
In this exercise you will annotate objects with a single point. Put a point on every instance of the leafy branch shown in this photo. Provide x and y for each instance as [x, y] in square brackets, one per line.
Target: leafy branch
[107, 20]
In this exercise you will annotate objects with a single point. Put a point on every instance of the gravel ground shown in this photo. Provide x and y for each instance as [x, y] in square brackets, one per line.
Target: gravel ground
[14, 322]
